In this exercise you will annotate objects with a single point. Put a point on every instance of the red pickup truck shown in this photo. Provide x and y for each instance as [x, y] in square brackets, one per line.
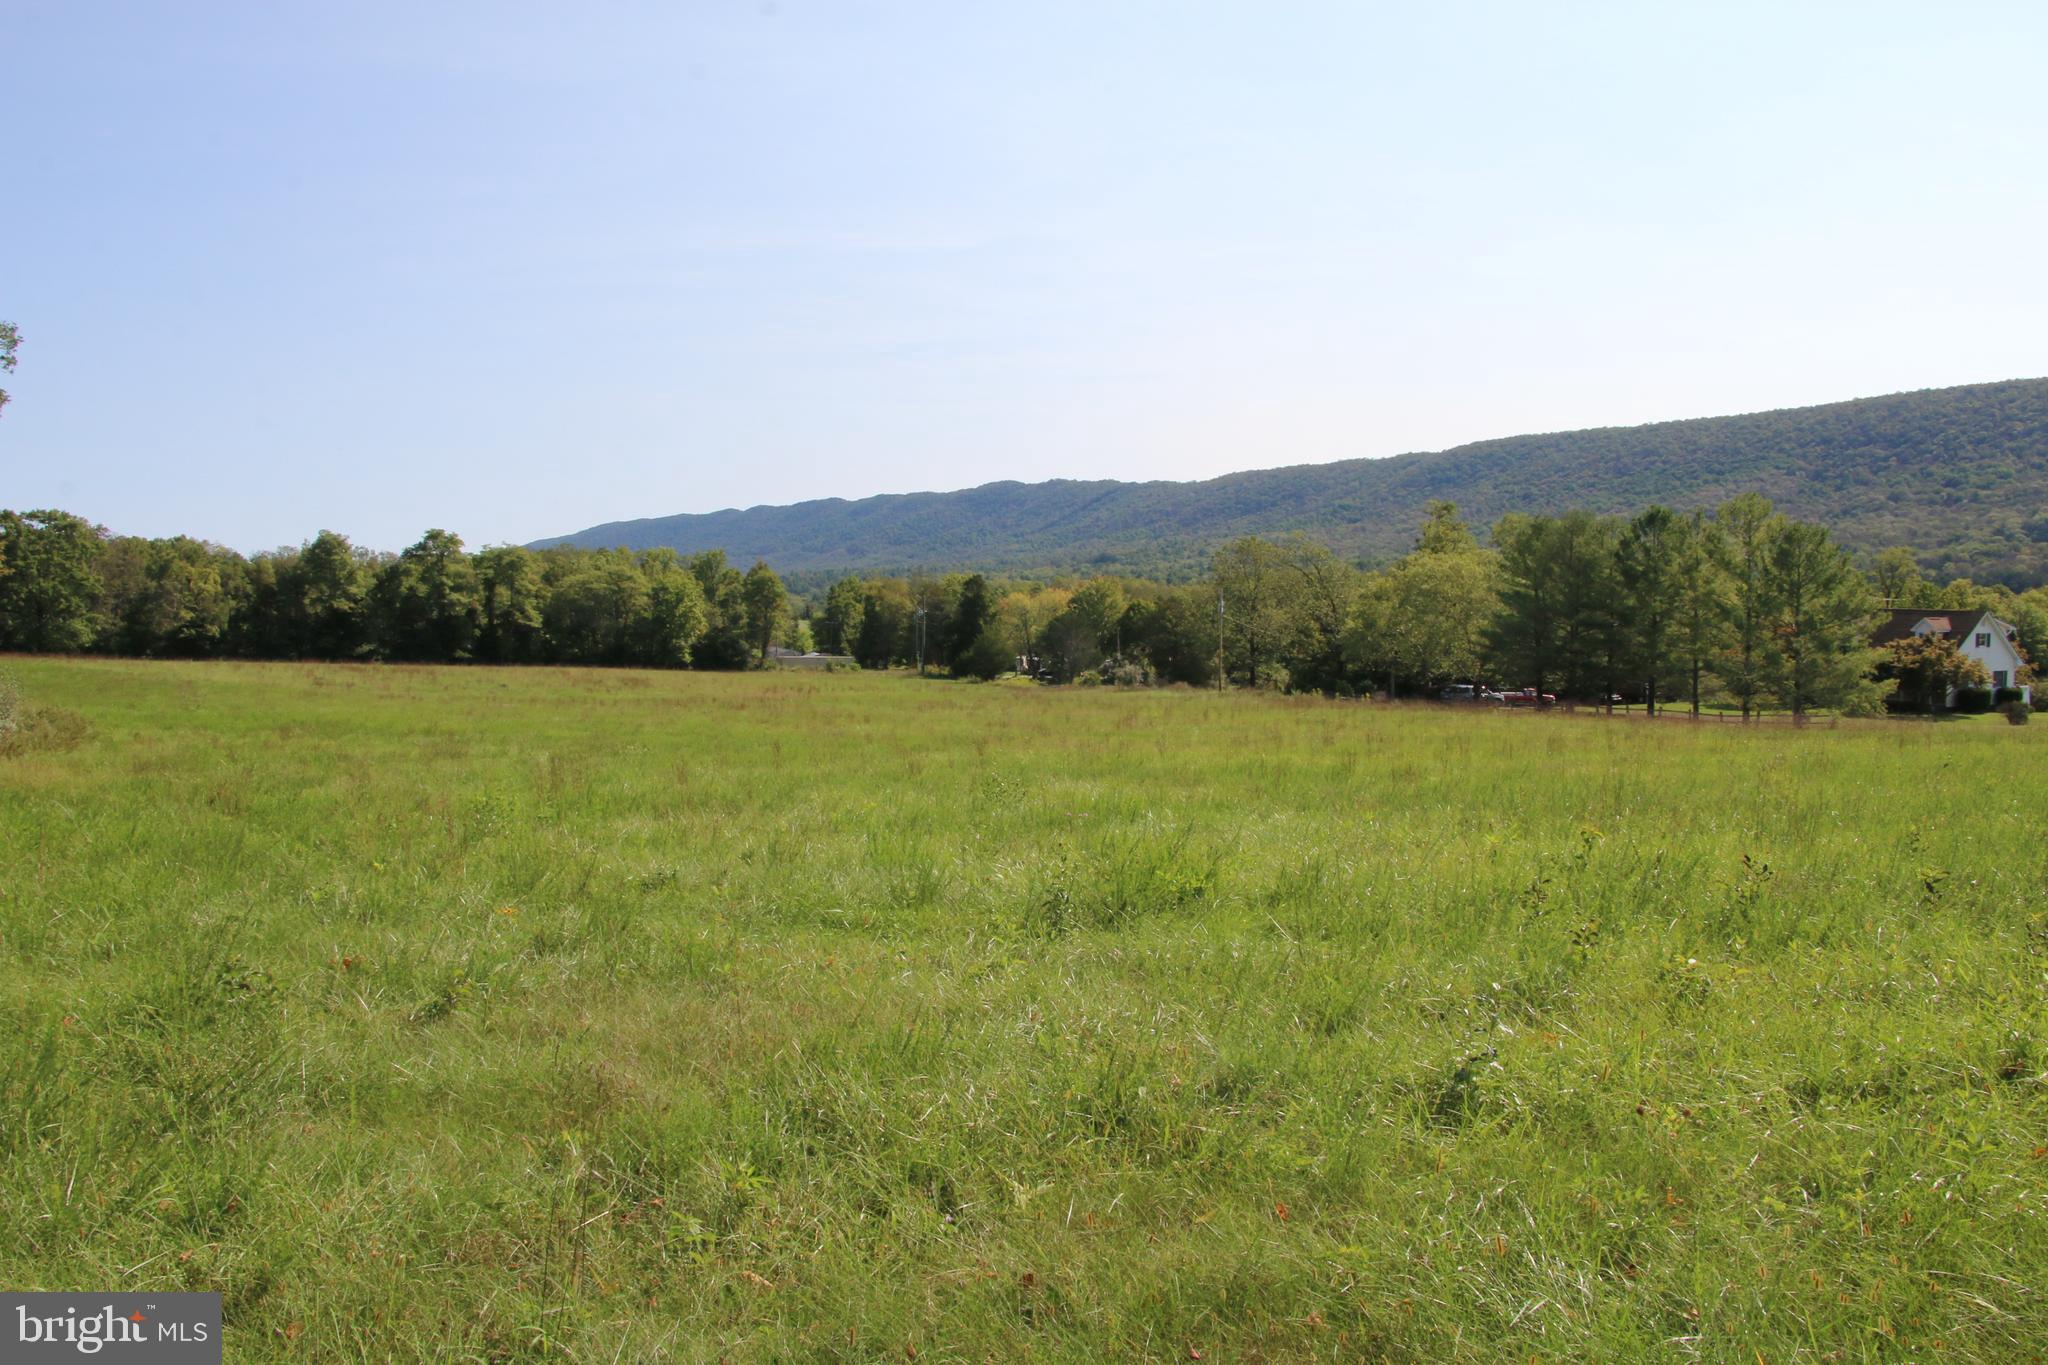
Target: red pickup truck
[1527, 696]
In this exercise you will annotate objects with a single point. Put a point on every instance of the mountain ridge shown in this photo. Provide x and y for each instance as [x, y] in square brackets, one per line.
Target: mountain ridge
[1960, 473]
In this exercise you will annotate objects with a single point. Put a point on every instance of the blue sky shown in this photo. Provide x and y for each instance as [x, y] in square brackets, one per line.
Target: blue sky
[515, 269]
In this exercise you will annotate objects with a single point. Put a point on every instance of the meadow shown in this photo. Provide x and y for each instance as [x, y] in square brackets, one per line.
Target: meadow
[519, 1014]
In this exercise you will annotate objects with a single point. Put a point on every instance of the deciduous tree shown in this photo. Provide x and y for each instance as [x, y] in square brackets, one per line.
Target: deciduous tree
[50, 590]
[766, 604]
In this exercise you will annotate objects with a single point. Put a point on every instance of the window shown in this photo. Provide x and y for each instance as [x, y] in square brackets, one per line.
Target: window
[1983, 639]
[1998, 678]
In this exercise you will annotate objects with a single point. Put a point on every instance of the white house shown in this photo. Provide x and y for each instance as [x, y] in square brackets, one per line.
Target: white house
[1977, 635]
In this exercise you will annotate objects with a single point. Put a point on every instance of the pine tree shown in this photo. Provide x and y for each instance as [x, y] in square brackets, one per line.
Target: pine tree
[1817, 650]
[1749, 526]
[1648, 562]
[1702, 622]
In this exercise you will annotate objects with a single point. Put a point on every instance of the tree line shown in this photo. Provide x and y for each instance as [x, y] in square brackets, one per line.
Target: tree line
[1739, 603]
[66, 585]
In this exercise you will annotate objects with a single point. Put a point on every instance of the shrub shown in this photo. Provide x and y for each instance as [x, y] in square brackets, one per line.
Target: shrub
[2017, 713]
[2006, 694]
[1974, 701]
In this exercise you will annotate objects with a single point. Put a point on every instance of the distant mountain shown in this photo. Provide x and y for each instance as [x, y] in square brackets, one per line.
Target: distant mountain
[1960, 474]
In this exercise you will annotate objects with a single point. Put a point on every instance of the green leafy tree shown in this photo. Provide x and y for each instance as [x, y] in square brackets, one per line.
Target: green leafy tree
[10, 344]
[1071, 642]
[1324, 590]
[1443, 531]
[1426, 619]
[726, 642]
[1895, 578]
[51, 589]
[512, 601]
[766, 603]
[327, 595]
[176, 597]
[1101, 604]
[885, 625]
[1259, 594]
[596, 615]
[1175, 632]
[675, 616]
[428, 603]
[1927, 668]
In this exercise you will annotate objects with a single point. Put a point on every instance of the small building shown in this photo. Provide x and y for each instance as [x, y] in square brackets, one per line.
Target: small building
[1976, 634]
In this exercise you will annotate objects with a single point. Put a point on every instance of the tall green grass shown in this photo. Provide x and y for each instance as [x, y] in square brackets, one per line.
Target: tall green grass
[527, 1014]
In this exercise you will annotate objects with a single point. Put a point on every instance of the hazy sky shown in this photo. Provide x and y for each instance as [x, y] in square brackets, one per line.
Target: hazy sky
[515, 269]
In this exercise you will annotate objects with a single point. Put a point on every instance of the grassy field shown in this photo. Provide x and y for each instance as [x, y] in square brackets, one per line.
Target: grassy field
[503, 1015]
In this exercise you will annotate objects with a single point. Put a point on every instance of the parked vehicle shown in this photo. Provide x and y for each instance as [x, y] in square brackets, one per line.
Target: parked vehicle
[1459, 692]
[1528, 696]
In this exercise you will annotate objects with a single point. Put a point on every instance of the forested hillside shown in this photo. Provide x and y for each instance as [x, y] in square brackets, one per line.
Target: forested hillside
[1959, 473]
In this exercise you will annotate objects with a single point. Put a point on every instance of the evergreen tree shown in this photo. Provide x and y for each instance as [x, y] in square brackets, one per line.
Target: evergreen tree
[1525, 636]
[1649, 564]
[1749, 528]
[838, 629]
[971, 617]
[1817, 651]
[1702, 620]
[1560, 623]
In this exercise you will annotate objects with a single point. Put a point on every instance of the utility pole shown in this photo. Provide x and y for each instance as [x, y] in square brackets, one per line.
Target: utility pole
[920, 642]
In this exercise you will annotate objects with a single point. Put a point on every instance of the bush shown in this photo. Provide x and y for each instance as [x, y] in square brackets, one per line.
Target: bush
[988, 657]
[1973, 701]
[2017, 713]
[2006, 694]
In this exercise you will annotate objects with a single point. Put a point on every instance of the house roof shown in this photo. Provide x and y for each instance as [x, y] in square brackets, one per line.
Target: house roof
[1953, 625]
